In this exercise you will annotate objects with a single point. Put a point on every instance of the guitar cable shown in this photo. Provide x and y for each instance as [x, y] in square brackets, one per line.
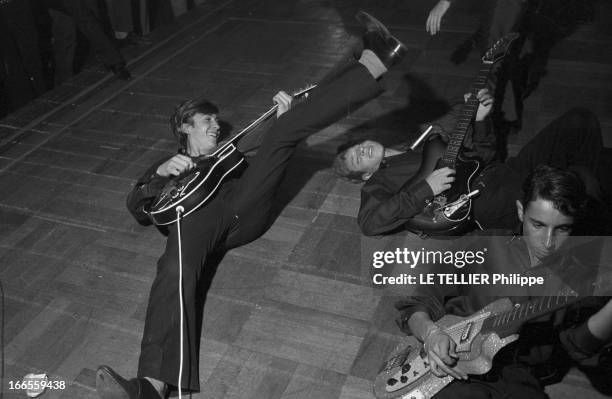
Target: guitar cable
[179, 214]
[2, 340]
[180, 210]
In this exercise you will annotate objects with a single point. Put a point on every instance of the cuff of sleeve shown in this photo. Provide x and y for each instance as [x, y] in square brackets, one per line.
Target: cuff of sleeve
[585, 340]
[481, 129]
[154, 185]
[580, 343]
[422, 192]
[402, 321]
[155, 178]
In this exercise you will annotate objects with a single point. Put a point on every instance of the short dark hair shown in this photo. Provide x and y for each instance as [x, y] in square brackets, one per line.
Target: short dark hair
[184, 112]
[339, 165]
[562, 187]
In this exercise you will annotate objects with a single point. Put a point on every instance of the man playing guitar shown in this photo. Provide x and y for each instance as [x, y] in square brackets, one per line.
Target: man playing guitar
[552, 203]
[387, 202]
[237, 214]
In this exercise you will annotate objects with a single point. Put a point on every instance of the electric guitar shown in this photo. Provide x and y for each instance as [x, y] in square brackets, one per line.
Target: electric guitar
[407, 374]
[192, 189]
[449, 213]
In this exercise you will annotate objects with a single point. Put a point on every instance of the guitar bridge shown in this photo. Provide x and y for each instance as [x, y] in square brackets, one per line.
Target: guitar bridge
[451, 208]
[466, 332]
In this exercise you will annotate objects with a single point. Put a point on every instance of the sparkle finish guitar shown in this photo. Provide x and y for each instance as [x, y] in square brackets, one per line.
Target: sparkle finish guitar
[479, 337]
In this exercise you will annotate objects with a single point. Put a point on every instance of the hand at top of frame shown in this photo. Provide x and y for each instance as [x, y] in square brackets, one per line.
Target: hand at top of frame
[434, 20]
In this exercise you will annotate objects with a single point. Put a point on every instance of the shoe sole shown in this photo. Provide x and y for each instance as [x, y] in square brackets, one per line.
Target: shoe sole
[372, 23]
[107, 385]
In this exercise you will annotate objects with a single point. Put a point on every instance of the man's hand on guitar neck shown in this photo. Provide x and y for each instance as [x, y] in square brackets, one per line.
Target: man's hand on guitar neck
[438, 345]
[486, 103]
[283, 100]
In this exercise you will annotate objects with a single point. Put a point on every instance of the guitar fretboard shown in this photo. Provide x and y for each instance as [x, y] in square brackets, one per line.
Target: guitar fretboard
[256, 122]
[465, 118]
[509, 322]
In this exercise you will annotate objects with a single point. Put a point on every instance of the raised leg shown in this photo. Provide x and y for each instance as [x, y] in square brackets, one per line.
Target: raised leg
[330, 102]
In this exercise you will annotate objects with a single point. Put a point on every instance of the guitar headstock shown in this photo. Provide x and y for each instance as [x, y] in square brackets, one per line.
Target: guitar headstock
[304, 91]
[499, 49]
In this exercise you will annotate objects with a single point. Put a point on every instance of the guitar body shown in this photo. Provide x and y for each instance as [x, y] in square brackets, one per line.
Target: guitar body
[195, 188]
[407, 374]
[436, 218]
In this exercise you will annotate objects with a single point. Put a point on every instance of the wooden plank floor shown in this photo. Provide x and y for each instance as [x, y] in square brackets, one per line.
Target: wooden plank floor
[286, 316]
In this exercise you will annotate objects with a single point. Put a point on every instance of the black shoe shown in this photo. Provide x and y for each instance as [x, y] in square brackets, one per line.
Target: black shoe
[379, 40]
[110, 385]
[120, 71]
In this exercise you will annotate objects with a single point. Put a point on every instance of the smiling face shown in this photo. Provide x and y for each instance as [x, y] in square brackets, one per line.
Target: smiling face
[364, 158]
[202, 134]
[545, 227]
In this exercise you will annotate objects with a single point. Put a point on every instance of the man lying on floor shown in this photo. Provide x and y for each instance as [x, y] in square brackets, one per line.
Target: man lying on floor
[390, 197]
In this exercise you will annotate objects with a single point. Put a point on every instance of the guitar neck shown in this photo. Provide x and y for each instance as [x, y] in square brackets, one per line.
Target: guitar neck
[507, 323]
[247, 129]
[465, 117]
[256, 122]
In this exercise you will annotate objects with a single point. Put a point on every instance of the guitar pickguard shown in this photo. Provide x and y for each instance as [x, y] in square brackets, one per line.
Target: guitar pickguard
[184, 186]
[449, 212]
[177, 189]
[196, 187]
[407, 373]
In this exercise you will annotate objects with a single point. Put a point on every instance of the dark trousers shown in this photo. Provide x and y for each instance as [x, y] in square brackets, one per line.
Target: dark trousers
[500, 18]
[87, 17]
[573, 140]
[513, 382]
[21, 77]
[233, 219]
[64, 45]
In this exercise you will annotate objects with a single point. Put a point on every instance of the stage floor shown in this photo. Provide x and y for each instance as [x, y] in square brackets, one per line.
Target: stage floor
[286, 316]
